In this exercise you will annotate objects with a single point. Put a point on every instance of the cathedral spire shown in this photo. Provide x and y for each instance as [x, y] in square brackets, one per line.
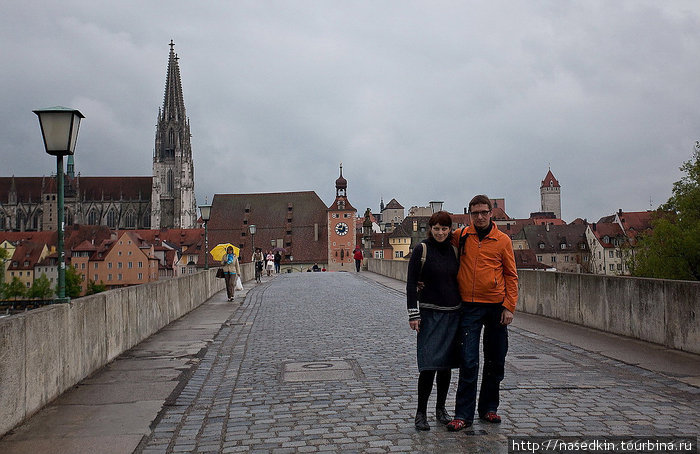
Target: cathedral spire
[173, 102]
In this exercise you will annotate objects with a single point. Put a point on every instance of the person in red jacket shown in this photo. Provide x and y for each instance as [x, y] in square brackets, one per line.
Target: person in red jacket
[357, 255]
[488, 285]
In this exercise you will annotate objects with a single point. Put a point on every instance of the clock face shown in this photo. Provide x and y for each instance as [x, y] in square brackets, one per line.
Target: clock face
[341, 228]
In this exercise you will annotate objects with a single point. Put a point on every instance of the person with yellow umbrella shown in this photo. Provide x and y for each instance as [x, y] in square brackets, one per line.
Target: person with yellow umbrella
[232, 269]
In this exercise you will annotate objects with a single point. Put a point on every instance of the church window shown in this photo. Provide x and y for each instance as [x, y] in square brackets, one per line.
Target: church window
[92, 217]
[130, 220]
[171, 138]
[112, 218]
[171, 182]
[146, 220]
[68, 217]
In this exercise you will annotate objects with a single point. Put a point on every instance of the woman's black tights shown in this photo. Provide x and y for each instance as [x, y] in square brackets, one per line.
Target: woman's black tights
[425, 387]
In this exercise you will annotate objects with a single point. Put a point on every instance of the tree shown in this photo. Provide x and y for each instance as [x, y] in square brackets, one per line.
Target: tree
[15, 289]
[93, 287]
[4, 257]
[672, 250]
[41, 288]
[73, 283]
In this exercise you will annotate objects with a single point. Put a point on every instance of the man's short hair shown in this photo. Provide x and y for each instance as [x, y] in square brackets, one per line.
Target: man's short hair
[480, 199]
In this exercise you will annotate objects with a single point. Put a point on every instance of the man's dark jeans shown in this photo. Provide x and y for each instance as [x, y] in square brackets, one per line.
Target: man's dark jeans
[474, 316]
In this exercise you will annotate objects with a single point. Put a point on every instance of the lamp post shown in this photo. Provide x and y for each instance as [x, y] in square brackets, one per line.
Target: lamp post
[252, 228]
[59, 129]
[205, 211]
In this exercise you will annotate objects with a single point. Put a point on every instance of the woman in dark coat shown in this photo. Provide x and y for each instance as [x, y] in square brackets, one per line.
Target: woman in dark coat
[433, 312]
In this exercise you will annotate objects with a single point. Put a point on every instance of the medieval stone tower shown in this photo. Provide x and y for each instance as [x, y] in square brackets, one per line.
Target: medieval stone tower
[172, 198]
[550, 195]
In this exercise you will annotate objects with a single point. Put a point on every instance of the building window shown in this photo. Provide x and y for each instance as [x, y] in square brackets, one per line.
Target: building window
[182, 270]
[119, 276]
[612, 267]
[140, 276]
[140, 264]
[112, 219]
[119, 265]
[130, 219]
[539, 258]
[554, 258]
[566, 258]
[611, 254]
[619, 266]
[109, 277]
[131, 265]
[94, 277]
[109, 265]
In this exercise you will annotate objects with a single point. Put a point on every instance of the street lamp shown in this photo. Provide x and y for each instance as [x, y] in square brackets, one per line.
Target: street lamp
[59, 128]
[252, 230]
[205, 211]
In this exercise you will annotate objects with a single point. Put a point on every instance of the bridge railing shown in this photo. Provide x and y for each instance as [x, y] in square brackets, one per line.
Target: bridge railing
[661, 311]
[45, 351]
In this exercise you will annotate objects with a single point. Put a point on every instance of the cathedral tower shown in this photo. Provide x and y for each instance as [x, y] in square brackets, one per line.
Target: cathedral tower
[172, 198]
[550, 195]
[341, 228]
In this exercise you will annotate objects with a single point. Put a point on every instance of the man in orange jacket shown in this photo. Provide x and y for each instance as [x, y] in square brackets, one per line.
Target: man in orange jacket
[488, 283]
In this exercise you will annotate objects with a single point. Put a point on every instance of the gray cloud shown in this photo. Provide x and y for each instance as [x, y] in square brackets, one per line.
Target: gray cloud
[419, 100]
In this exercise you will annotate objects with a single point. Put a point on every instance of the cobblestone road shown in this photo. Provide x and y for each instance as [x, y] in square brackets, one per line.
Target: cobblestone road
[325, 362]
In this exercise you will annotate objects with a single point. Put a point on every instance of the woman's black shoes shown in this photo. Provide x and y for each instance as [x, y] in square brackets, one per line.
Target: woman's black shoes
[421, 421]
[441, 415]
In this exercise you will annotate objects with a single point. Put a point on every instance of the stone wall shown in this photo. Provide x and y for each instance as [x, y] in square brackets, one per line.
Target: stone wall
[654, 310]
[46, 351]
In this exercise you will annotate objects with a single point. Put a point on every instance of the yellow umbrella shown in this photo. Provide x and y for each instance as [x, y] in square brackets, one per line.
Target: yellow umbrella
[219, 250]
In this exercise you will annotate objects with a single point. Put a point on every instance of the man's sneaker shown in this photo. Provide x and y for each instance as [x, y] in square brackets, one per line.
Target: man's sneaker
[457, 425]
[491, 417]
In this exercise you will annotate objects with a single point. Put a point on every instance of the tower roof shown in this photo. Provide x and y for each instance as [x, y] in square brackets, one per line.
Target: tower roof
[341, 183]
[549, 180]
[173, 102]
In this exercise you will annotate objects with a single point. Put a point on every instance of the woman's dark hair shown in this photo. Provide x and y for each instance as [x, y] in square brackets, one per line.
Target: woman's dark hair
[441, 218]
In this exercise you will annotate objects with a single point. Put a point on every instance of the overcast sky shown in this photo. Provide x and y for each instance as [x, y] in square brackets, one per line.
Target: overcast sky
[420, 100]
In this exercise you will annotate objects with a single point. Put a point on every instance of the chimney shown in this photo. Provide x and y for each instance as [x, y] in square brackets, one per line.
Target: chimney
[546, 226]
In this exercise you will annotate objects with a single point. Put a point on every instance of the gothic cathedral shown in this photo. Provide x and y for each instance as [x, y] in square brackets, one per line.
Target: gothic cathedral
[341, 228]
[172, 196]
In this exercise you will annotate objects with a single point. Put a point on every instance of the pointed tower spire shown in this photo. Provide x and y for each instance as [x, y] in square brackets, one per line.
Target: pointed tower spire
[172, 198]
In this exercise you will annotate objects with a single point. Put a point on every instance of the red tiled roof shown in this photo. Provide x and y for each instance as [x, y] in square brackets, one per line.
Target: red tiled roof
[526, 259]
[91, 188]
[393, 205]
[26, 252]
[550, 179]
[609, 229]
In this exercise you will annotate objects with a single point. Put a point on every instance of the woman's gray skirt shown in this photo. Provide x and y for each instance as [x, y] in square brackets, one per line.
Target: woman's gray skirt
[438, 340]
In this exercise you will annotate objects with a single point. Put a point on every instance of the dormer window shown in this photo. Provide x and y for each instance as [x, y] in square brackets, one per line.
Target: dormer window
[541, 245]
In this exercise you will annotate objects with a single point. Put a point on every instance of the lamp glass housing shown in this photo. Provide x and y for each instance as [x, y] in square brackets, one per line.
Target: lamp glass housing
[59, 128]
[205, 211]
[252, 228]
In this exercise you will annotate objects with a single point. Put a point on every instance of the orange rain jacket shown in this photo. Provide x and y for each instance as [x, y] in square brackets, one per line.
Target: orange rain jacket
[487, 272]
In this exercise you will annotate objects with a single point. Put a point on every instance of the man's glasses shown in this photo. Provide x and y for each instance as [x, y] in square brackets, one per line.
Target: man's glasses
[480, 213]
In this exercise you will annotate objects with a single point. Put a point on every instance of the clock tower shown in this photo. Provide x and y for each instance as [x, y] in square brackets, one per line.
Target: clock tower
[341, 228]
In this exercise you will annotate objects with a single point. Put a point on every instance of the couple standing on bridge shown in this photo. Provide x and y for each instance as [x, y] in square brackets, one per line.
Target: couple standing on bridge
[464, 280]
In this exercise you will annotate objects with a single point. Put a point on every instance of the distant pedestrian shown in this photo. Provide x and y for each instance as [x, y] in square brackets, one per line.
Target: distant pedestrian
[259, 261]
[433, 312]
[357, 255]
[270, 263]
[488, 284]
[232, 270]
[278, 261]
